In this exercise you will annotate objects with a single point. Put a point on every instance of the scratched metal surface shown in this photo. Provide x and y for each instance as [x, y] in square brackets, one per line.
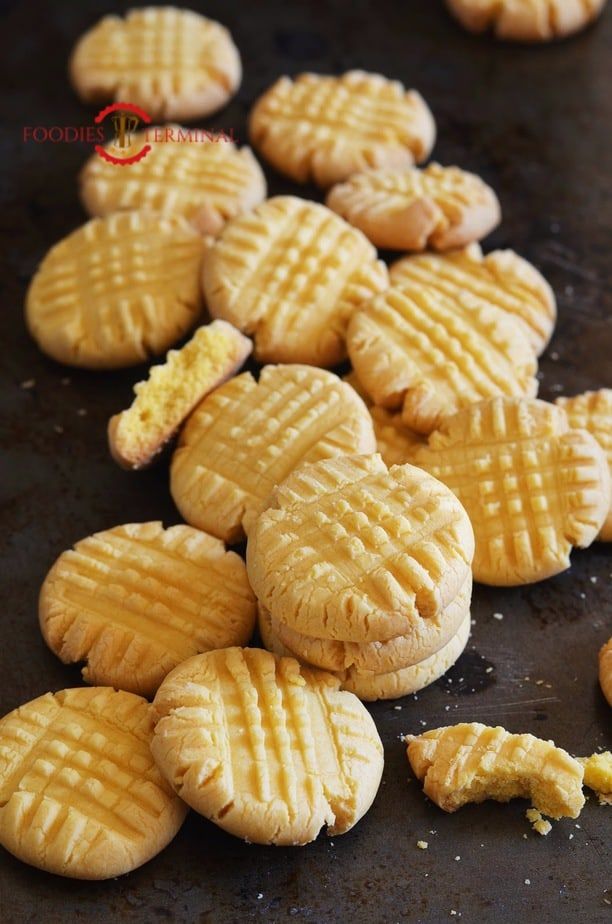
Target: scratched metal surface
[535, 122]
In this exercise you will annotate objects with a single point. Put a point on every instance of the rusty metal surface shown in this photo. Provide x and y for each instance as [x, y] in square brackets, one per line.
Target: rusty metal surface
[535, 122]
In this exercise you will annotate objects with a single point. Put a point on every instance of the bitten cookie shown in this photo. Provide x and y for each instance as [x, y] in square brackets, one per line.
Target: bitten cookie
[526, 20]
[290, 273]
[412, 209]
[325, 128]
[136, 600]
[247, 436]
[270, 751]
[417, 349]
[173, 389]
[80, 795]
[173, 63]
[117, 290]
[605, 670]
[351, 550]
[592, 411]
[532, 487]
[501, 278]
[207, 183]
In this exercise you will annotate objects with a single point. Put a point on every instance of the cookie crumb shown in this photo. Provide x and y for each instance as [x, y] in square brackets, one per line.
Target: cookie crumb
[498, 616]
[82, 412]
[538, 823]
[58, 428]
[527, 881]
[422, 845]
[27, 384]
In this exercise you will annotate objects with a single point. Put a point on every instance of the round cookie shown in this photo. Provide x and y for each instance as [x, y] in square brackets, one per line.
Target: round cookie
[270, 751]
[501, 278]
[394, 440]
[605, 670]
[80, 794]
[206, 183]
[117, 290]
[526, 20]
[136, 600]
[290, 273]
[532, 487]
[417, 349]
[592, 411]
[351, 550]
[412, 209]
[174, 64]
[247, 436]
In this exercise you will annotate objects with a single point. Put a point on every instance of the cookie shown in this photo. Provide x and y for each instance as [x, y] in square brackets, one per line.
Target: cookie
[80, 794]
[532, 487]
[592, 411]
[323, 128]
[247, 436]
[412, 209]
[290, 273]
[205, 182]
[501, 278]
[134, 601]
[394, 440]
[605, 670]
[598, 775]
[526, 20]
[173, 389]
[418, 350]
[353, 551]
[174, 64]
[270, 751]
[470, 762]
[117, 290]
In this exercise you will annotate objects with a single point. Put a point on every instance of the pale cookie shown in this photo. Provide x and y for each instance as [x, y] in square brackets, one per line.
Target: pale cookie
[412, 209]
[173, 389]
[605, 670]
[526, 20]
[290, 273]
[532, 487]
[174, 64]
[247, 436]
[473, 762]
[394, 440]
[325, 128]
[501, 278]
[134, 601]
[417, 349]
[80, 794]
[205, 182]
[270, 751]
[351, 550]
[592, 411]
[598, 775]
[117, 290]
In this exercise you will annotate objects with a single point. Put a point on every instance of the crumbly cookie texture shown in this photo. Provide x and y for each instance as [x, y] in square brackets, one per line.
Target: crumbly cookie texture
[417, 349]
[598, 775]
[205, 182]
[471, 762]
[348, 549]
[291, 273]
[248, 435]
[173, 389]
[592, 411]
[413, 209]
[605, 670]
[532, 487]
[501, 278]
[526, 20]
[117, 290]
[394, 440]
[134, 601]
[174, 64]
[324, 128]
[270, 751]
[80, 794]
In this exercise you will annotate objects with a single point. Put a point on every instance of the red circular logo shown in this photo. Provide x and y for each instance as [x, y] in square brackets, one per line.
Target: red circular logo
[125, 119]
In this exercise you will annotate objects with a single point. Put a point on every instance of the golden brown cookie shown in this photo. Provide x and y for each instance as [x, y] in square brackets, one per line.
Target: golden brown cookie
[417, 349]
[270, 751]
[247, 436]
[605, 670]
[134, 601]
[526, 20]
[290, 273]
[501, 278]
[117, 290]
[80, 795]
[532, 487]
[351, 550]
[214, 353]
[325, 128]
[173, 63]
